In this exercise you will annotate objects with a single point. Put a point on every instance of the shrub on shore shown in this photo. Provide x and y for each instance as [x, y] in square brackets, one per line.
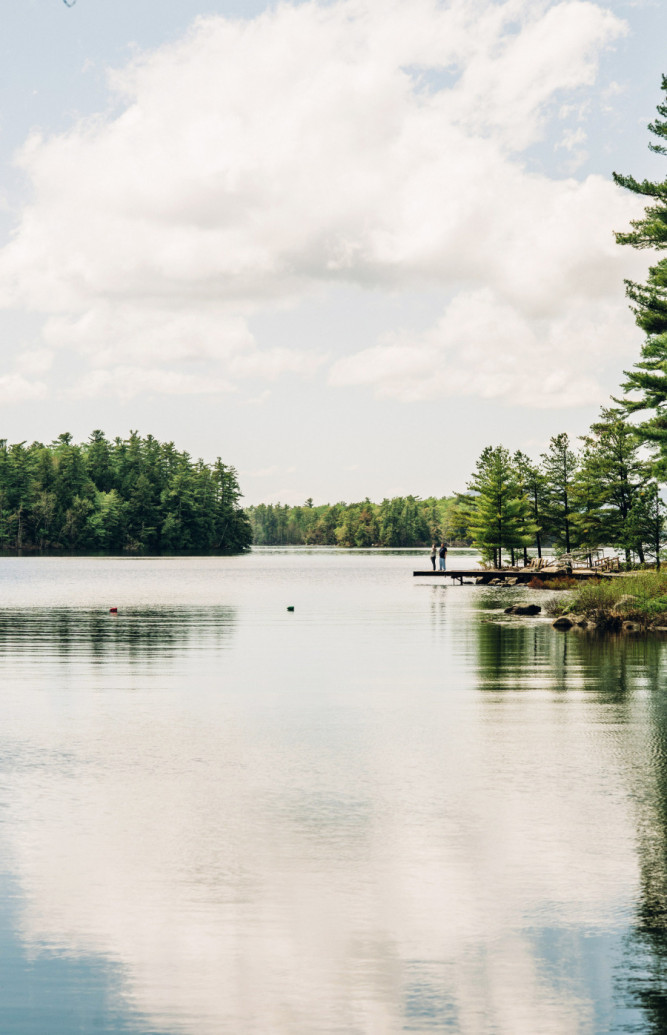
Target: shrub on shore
[562, 582]
[641, 597]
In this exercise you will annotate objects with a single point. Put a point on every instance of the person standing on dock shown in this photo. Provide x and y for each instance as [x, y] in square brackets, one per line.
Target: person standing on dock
[434, 554]
[443, 557]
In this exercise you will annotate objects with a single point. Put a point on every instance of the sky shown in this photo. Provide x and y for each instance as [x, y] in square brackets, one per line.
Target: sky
[343, 245]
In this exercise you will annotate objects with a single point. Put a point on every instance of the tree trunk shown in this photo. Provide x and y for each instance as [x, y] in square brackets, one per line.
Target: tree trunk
[657, 535]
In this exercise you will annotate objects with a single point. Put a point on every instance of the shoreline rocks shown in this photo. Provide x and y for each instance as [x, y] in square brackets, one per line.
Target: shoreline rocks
[570, 620]
[611, 623]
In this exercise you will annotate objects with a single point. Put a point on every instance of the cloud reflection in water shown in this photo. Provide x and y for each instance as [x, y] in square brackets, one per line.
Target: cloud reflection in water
[315, 863]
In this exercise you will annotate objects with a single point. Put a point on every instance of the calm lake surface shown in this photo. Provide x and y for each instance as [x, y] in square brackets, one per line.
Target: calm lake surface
[393, 810]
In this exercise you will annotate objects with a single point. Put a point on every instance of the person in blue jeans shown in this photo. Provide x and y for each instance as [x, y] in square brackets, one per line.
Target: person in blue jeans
[443, 557]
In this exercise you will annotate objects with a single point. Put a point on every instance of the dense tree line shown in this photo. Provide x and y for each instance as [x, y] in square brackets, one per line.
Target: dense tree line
[135, 494]
[577, 500]
[402, 521]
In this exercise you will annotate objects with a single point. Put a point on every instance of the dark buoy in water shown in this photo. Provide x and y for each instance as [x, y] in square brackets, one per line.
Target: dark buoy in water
[113, 610]
[291, 607]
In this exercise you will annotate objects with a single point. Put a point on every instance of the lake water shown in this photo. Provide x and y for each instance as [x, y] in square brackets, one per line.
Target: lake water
[392, 810]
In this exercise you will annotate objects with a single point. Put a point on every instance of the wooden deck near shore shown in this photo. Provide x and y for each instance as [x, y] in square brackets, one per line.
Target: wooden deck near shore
[521, 575]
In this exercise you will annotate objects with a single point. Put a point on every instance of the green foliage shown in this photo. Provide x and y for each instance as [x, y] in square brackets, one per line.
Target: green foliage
[559, 466]
[401, 521]
[501, 517]
[609, 488]
[557, 585]
[657, 606]
[534, 484]
[646, 385]
[594, 599]
[651, 230]
[603, 497]
[640, 597]
[133, 494]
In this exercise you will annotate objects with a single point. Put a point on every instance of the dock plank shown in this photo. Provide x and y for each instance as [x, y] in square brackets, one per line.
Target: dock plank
[522, 574]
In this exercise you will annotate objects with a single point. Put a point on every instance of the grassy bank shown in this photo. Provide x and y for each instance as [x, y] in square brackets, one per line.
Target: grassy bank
[640, 597]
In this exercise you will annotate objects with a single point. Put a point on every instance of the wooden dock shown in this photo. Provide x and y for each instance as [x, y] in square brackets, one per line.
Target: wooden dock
[485, 576]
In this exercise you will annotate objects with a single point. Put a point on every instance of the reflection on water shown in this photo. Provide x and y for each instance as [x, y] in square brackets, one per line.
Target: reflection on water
[93, 635]
[626, 675]
[394, 810]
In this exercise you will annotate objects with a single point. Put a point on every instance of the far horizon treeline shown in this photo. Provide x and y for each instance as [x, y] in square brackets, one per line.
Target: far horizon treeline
[400, 521]
[135, 494]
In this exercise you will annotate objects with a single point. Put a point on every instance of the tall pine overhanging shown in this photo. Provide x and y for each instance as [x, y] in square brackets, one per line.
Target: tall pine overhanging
[646, 384]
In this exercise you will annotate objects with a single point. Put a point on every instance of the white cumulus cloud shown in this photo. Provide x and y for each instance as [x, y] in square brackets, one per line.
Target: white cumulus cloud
[17, 388]
[483, 346]
[259, 162]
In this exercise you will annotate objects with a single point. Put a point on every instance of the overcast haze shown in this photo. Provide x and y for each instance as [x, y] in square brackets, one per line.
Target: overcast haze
[343, 245]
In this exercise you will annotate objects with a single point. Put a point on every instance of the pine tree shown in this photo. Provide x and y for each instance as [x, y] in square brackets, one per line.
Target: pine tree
[500, 516]
[533, 484]
[559, 466]
[646, 521]
[647, 382]
[611, 476]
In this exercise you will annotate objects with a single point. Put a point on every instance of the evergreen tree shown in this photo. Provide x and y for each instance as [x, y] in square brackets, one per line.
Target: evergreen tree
[129, 494]
[500, 509]
[533, 484]
[611, 475]
[646, 521]
[435, 531]
[647, 382]
[559, 467]
[590, 518]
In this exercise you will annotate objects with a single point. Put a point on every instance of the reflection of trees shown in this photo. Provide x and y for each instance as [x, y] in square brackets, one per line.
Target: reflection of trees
[523, 654]
[135, 634]
[626, 676]
[645, 979]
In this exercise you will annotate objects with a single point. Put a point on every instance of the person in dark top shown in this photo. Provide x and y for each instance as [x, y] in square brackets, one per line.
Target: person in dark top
[443, 557]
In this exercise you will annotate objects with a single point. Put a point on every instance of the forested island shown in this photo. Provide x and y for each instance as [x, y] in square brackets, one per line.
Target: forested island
[130, 494]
